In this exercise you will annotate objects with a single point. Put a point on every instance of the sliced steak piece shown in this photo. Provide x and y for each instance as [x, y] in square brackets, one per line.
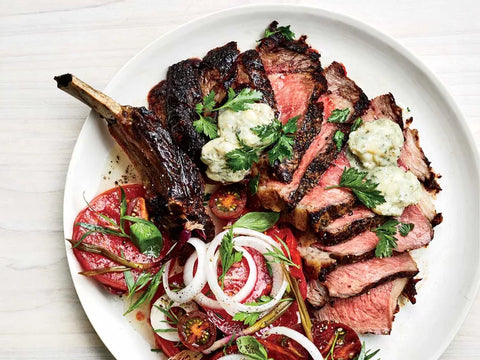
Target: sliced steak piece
[350, 280]
[319, 207]
[295, 73]
[157, 102]
[358, 248]
[317, 293]
[316, 263]
[413, 158]
[251, 74]
[372, 312]
[362, 246]
[183, 93]
[421, 234]
[342, 94]
[187, 83]
[218, 70]
[384, 107]
[356, 221]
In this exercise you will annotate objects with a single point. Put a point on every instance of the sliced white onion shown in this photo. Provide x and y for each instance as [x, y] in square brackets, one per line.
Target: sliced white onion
[299, 338]
[159, 320]
[234, 357]
[199, 280]
[200, 298]
[252, 240]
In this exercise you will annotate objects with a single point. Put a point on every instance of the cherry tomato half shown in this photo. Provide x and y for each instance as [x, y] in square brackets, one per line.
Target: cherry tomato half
[196, 332]
[344, 339]
[228, 202]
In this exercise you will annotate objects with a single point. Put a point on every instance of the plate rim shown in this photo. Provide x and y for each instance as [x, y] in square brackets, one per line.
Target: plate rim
[351, 21]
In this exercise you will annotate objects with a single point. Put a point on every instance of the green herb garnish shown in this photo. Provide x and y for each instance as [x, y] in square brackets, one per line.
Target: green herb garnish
[147, 295]
[338, 139]
[339, 116]
[258, 221]
[281, 257]
[228, 255]
[248, 345]
[364, 189]
[366, 354]
[235, 102]
[386, 236]
[247, 318]
[284, 30]
[356, 124]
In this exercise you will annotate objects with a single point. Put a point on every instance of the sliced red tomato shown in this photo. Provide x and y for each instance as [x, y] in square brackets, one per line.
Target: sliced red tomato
[169, 348]
[291, 241]
[228, 202]
[288, 344]
[196, 331]
[345, 341]
[108, 203]
[234, 280]
[284, 348]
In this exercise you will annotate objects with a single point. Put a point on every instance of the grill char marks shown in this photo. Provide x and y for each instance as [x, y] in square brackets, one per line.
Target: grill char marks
[218, 70]
[251, 74]
[342, 93]
[354, 279]
[306, 133]
[174, 184]
[413, 158]
[358, 220]
[187, 83]
[295, 72]
[157, 102]
[183, 93]
[372, 312]
[320, 206]
[384, 106]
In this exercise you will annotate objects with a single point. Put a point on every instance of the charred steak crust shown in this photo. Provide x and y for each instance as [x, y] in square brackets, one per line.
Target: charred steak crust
[173, 183]
[307, 132]
[294, 62]
[343, 91]
[321, 218]
[183, 93]
[349, 230]
[157, 102]
[251, 74]
[187, 83]
[218, 70]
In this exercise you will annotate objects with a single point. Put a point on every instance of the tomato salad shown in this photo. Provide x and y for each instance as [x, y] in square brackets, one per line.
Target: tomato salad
[239, 296]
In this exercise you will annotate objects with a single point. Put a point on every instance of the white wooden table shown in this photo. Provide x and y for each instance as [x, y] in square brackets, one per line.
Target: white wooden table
[40, 315]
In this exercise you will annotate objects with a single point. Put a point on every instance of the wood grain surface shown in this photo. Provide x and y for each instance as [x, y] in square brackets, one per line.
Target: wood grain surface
[40, 315]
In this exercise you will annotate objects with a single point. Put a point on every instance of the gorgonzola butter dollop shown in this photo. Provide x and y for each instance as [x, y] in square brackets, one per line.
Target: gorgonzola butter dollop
[234, 125]
[399, 188]
[376, 147]
[377, 143]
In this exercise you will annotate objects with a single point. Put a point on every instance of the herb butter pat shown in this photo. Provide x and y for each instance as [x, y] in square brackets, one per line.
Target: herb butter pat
[377, 143]
[232, 127]
[377, 146]
[399, 188]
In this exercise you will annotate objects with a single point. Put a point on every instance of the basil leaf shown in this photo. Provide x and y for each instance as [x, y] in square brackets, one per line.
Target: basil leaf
[145, 236]
[258, 221]
[248, 345]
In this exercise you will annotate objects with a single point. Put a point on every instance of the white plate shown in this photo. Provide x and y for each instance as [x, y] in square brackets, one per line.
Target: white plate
[378, 64]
